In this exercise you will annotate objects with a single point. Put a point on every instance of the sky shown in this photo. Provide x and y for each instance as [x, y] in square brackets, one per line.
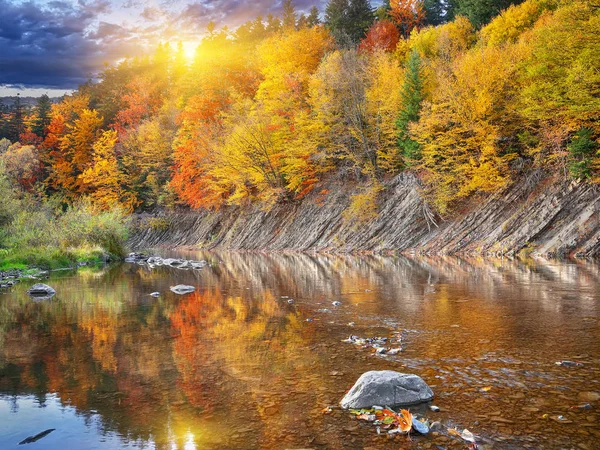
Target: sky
[52, 46]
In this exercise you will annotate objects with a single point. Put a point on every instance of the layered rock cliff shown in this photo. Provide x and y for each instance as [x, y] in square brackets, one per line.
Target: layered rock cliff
[537, 214]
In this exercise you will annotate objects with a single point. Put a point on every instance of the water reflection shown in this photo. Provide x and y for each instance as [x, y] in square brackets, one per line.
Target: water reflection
[234, 365]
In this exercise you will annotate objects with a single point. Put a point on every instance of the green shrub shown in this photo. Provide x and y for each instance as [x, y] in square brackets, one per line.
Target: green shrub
[582, 151]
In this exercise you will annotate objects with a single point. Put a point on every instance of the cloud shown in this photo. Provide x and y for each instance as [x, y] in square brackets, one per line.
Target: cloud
[60, 43]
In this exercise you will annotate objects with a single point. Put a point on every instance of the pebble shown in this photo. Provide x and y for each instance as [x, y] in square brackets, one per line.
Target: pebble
[568, 364]
[588, 396]
[420, 427]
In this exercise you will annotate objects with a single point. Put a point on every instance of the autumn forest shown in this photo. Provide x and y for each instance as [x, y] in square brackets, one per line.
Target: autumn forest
[468, 97]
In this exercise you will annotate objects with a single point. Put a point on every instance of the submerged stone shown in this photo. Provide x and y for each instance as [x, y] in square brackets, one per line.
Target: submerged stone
[182, 289]
[388, 388]
[41, 292]
[420, 427]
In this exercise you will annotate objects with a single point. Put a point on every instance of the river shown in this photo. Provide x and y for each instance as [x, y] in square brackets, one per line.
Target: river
[253, 356]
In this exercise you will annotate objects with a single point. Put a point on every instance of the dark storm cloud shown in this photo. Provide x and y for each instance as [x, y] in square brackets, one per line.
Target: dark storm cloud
[57, 44]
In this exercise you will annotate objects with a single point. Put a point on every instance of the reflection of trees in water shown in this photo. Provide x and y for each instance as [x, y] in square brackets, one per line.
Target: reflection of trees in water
[158, 369]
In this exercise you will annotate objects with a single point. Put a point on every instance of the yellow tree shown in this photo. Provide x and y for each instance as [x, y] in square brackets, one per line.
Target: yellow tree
[464, 130]
[104, 179]
[561, 78]
[68, 145]
[288, 60]
[355, 98]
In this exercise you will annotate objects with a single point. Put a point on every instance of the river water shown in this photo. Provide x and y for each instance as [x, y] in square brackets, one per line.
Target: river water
[237, 365]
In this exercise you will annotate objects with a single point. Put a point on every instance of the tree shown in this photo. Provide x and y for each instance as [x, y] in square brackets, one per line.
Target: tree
[68, 144]
[336, 18]
[289, 15]
[273, 24]
[43, 110]
[480, 12]
[583, 150]
[408, 15]
[383, 11]
[302, 22]
[287, 63]
[141, 100]
[104, 179]
[436, 11]
[361, 18]
[383, 35]
[22, 165]
[412, 98]
[354, 105]
[313, 18]
[147, 157]
[348, 20]
[15, 124]
[465, 127]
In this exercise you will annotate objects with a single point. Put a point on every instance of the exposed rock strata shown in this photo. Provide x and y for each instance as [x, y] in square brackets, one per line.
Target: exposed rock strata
[538, 215]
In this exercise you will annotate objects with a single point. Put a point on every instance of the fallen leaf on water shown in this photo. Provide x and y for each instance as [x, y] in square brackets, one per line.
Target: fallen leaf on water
[405, 420]
[486, 389]
[453, 432]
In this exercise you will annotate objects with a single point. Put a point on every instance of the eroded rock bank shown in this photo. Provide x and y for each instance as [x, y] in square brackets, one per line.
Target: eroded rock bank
[538, 214]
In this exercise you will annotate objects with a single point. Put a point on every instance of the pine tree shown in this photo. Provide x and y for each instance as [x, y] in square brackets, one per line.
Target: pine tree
[435, 11]
[313, 18]
[302, 22]
[336, 17]
[42, 120]
[273, 24]
[289, 15]
[412, 97]
[16, 120]
[361, 18]
[480, 12]
[349, 20]
[4, 120]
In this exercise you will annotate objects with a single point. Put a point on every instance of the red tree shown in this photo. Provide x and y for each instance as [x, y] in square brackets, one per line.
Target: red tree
[383, 35]
[408, 14]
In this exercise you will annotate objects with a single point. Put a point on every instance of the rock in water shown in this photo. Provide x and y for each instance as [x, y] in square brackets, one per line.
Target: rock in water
[420, 427]
[388, 388]
[41, 292]
[182, 289]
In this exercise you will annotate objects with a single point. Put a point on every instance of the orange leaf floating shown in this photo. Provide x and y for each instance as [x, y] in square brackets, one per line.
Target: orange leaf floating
[405, 420]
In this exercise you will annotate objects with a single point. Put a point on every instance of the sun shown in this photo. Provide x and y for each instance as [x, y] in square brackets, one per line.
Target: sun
[189, 50]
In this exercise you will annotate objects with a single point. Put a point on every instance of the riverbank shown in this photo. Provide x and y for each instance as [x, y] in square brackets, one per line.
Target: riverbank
[539, 215]
[53, 259]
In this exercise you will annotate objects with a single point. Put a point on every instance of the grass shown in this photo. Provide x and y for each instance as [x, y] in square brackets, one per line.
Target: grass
[52, 258]
[47, 233]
